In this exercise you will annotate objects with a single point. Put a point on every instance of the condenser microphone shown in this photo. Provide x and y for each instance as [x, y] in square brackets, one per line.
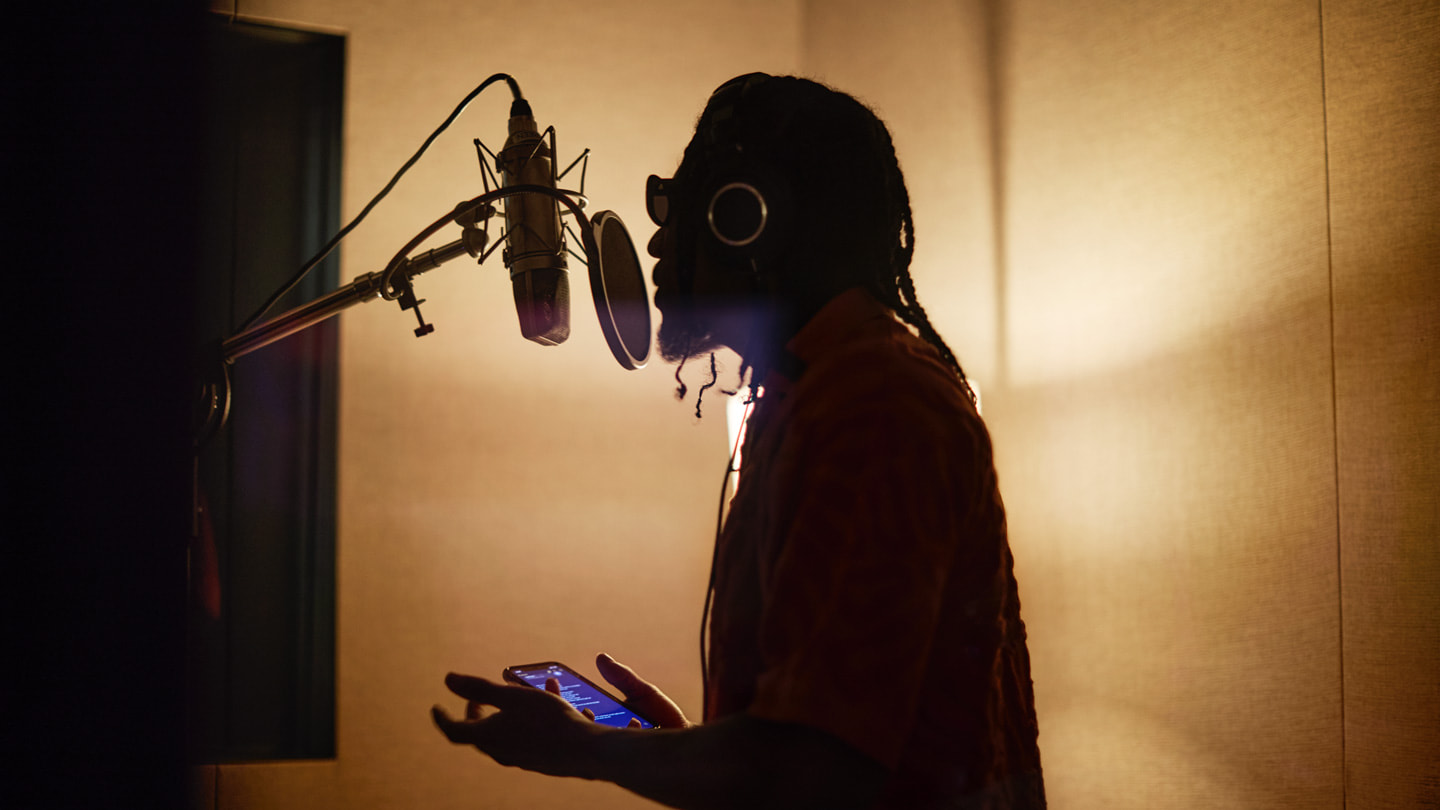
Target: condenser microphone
[534, 250]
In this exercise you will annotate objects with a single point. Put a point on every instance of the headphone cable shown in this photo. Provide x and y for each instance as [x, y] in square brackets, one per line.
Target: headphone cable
[730, 469]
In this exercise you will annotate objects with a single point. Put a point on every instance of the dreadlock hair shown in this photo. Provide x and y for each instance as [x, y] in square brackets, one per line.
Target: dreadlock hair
[896, 288]
[836, 154]
[681, 388]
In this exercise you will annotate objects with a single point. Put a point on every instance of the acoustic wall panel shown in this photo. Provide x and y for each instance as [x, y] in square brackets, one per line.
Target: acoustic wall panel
[1382, 68]
[1165, 433]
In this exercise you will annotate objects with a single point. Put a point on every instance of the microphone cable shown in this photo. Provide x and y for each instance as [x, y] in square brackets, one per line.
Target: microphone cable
[334, 241]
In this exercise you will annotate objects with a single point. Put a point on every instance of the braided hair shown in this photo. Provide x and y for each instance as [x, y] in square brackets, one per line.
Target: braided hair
[892, 284]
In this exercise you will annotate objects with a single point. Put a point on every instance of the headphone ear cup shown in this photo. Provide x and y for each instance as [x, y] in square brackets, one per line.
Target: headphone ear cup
[738, 214]
[747, 215]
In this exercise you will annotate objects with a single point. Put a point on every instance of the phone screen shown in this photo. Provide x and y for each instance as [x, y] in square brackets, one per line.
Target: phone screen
[578, 692]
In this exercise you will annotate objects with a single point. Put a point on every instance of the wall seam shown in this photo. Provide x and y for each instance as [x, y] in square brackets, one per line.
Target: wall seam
[1334, 404]
[802, 38]
[995, 31]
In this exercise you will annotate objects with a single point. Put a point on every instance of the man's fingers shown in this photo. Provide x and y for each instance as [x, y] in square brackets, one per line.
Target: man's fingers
[641, 694]
[635, 723]
[623, 678]
[453, 730]
[479, 690]
[461, 732]
[553, 687]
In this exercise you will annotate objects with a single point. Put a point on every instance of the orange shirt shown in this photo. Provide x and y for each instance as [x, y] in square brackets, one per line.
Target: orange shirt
[863, 581]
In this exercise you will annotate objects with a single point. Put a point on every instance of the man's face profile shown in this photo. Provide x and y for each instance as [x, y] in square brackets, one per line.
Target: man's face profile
[683, 331]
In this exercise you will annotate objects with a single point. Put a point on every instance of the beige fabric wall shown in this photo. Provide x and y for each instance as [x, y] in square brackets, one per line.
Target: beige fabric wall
[1382, 67]
[1166, 431]
[502, 502]
[1211, 425]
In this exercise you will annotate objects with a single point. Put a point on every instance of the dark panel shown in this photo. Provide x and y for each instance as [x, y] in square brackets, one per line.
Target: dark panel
[100, 189]
[265, 666]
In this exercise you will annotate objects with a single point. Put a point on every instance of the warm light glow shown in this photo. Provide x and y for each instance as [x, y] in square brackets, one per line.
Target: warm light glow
[737, 415]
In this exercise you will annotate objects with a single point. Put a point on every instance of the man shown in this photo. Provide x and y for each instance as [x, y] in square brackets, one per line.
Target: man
[866, 647]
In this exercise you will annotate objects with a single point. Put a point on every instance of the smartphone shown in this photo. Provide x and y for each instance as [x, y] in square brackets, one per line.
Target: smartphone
[578, 691]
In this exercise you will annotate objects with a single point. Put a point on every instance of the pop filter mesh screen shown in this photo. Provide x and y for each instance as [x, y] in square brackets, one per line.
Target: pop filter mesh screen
[622, 297]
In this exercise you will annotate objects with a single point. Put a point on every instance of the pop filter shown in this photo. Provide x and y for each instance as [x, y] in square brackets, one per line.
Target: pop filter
[618, 284]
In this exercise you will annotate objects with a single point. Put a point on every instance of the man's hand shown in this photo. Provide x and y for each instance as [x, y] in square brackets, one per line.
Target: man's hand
[533, 729]
[736, 762]
[641, 694]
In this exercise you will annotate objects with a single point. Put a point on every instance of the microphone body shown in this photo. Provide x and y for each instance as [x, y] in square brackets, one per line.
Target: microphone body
[535, 249]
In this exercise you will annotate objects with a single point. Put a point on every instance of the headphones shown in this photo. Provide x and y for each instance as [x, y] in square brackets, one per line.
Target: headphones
[743, 201]
[745, 205]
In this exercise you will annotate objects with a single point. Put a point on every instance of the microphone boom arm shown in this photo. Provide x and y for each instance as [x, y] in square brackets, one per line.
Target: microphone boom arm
[395, 278]
[392, 284]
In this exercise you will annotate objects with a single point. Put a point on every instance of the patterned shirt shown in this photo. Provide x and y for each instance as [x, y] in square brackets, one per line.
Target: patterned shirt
[863, 581]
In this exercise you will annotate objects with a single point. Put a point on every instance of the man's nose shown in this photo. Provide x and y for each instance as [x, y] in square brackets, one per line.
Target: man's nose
[656, 246]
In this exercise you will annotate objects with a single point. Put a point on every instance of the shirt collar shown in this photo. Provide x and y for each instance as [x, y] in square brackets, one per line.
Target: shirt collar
[845, 316]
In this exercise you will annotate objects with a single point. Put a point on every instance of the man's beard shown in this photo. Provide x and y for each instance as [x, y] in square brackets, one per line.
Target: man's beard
[683, 334]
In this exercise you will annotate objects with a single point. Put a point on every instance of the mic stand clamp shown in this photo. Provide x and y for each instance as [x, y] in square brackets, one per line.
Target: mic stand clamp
[408, 300]
[472, 241]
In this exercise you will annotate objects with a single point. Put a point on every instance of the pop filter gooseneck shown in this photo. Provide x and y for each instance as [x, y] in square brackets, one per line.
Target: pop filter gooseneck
[618, 285]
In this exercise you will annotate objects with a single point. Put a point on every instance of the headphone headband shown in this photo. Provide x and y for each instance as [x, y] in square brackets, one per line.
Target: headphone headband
[722, 128]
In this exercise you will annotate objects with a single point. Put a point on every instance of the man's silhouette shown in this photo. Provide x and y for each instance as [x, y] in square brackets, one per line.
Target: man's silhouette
[866, 647]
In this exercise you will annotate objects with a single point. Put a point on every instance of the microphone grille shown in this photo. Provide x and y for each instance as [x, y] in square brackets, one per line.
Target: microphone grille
[542, 301]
